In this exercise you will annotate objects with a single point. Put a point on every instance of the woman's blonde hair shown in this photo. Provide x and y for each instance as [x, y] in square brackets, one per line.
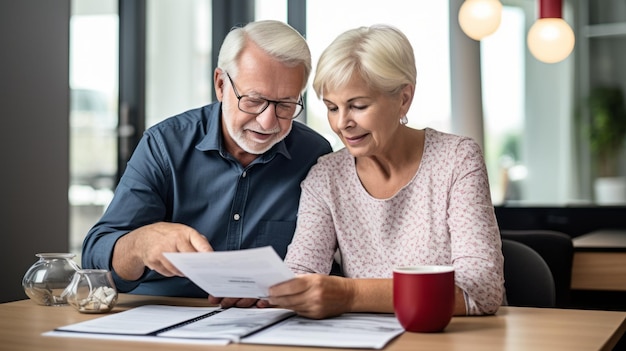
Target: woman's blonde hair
[381, 54]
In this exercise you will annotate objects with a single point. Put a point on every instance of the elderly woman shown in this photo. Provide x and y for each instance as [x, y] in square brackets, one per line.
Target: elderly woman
[394, 196]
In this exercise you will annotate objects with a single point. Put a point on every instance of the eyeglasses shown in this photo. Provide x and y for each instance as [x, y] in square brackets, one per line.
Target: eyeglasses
[256, 105]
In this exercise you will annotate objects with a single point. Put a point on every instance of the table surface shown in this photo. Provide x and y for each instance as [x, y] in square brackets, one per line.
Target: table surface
[603, 240]
[512, 328]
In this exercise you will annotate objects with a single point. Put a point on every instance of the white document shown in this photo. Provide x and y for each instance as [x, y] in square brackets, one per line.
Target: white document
[145, 338]
[231, 324]
[215, 326]
[242, 273]
[350, 330]
[143, 320]
[141, 324]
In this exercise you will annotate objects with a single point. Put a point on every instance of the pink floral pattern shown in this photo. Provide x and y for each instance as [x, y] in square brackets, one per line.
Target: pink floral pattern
[444, 215]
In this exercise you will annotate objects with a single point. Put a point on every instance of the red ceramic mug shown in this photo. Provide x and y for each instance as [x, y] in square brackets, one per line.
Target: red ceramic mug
[423, 297]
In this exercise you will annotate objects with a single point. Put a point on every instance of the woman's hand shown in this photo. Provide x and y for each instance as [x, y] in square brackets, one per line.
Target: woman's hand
[314, 296]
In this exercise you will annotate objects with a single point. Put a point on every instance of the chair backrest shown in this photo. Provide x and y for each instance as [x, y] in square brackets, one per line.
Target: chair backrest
[527, 278]
[557, 249]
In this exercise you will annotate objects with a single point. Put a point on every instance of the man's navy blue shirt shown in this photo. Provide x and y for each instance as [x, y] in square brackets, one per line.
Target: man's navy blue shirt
[181, 173]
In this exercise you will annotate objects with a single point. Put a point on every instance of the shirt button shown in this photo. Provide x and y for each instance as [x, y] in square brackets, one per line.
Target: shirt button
[243, 175]
[236, 216]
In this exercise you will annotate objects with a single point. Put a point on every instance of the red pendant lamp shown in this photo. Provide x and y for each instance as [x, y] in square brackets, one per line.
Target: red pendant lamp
[550, 39]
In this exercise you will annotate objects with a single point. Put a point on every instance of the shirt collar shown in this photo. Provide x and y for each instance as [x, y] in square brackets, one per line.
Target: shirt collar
[213, 139]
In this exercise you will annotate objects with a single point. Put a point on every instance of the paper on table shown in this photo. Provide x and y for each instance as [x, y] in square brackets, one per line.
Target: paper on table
[149, 338]
[141, 324]
[231, 324]
[141, 320]
[214, 326]
[242, 273]
[350, 330]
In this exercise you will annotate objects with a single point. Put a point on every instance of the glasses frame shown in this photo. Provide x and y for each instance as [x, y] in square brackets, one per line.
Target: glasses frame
[268, 102]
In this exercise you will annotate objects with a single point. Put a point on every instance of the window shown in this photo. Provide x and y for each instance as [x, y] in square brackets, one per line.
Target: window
[179, 73]
[503, 105]
[528, 117]
[93, 113]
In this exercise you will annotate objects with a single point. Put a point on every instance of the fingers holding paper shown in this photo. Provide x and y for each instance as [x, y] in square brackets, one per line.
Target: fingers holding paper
[227, 302]
[144, 247]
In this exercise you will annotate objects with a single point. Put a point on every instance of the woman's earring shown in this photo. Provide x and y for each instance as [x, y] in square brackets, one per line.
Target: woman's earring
[404, 120]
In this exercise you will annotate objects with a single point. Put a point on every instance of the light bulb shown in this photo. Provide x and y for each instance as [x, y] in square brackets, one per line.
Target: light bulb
[480, 18]
[550, 40]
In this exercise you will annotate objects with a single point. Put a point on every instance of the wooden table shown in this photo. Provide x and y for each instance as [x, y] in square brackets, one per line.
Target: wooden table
[600, 261]
[513, 328]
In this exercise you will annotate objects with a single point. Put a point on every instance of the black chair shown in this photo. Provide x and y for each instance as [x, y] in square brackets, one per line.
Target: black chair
[527, 278]
[557, 249]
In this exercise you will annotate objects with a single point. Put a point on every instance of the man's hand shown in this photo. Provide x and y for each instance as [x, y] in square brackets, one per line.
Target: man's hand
[314, 295]
[144, 247]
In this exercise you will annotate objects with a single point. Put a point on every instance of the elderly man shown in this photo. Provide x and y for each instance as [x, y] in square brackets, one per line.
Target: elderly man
[222, 177]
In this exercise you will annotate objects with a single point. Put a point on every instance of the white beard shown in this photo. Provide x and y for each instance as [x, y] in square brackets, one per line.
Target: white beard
[251, 146]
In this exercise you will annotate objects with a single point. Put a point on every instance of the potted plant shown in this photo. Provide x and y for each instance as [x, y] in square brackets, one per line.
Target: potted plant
[607, 132]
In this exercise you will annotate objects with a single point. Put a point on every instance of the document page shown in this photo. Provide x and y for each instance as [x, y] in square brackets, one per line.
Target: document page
[242, 273]
[232, 324]
[350, 330]
[215, 326]
[142, 320]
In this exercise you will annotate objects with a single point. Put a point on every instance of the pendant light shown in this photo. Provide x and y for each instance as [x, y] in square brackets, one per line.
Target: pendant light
[550, 39]
[480, 18]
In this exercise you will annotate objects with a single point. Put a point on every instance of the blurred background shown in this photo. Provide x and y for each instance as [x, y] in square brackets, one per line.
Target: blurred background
[82, 79]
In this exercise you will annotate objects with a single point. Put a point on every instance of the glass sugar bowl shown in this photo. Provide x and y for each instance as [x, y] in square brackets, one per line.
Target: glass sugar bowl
[92, 291]
[46, 280]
